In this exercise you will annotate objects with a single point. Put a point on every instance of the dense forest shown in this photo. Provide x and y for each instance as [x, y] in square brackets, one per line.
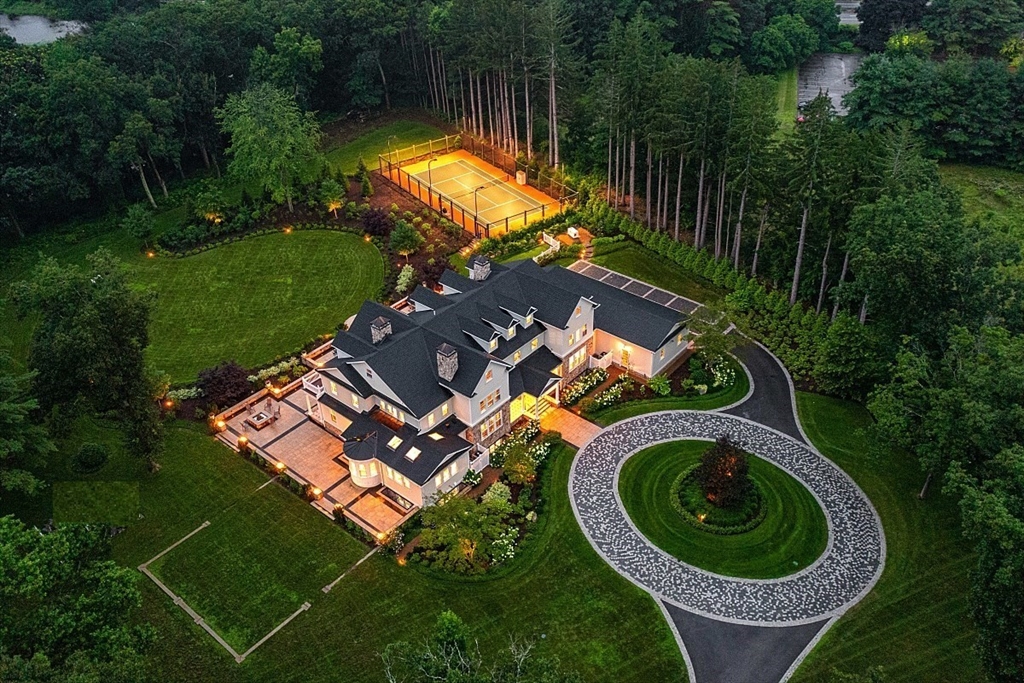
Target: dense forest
[843, 249]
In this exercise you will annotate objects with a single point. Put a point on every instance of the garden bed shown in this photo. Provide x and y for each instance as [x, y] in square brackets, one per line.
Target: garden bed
[480, 536]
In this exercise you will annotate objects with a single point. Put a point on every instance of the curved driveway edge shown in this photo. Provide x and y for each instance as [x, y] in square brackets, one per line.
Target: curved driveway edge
[847, 570]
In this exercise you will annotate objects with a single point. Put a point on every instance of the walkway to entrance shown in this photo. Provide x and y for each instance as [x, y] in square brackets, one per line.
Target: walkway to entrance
[573, 428]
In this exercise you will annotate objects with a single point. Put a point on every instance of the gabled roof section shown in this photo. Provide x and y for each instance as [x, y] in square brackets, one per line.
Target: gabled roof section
[459, 283]
[428, 298]
[372, 311]
[496, 317]
[517, 306]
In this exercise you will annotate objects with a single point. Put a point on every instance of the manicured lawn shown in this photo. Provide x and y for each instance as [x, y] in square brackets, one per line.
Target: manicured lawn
[536, 251]
[793, 534]
[636, 261]
[988, 190]
[915, 623]
[255, 299]
[786, 98]
[256, 563]
[112, 502]
[559, 588]
[251, 300]
[709, 401]
[406, 133]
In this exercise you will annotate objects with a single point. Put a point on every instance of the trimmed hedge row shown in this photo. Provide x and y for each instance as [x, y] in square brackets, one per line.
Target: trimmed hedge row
[684, 477]
[836, 356]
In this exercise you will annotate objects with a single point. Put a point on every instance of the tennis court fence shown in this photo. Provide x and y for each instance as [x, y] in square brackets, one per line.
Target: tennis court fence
[391, 166]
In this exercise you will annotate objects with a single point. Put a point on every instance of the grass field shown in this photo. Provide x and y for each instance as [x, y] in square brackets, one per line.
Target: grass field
[786, 99]
[709, 401]
[345, 158]
[636, 261]
[112, 502]
[596, 622]
[256, 564]
[915, 623]
[793, 534]
[254, 299]
[988, 190]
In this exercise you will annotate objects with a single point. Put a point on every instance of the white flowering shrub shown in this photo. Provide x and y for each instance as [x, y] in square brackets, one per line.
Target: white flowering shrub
[520, 437]
[583, 385]
[281, 368]
[504, 547]
[723, 374]
[185, 394]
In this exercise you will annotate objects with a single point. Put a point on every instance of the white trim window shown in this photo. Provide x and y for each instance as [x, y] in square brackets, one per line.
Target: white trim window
[489, 400]
[534, 343]
[491, 425]
[661, 353]
[334, 388]
[355, 401]
[444, 410]
[516, 357]
[578, 358]
[430, 420]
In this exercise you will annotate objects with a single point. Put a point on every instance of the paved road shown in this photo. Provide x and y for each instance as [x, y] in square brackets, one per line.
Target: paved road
[828, 73]
[771, 403]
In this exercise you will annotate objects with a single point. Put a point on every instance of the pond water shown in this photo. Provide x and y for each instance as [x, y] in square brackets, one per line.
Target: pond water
[30, 29]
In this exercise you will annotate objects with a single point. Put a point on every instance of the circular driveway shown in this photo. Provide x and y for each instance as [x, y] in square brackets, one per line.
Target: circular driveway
[849, 567]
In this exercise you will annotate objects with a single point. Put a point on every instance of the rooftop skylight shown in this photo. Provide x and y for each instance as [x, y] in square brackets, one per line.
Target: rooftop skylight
[435, 436]
[413, 453]
[395, 442]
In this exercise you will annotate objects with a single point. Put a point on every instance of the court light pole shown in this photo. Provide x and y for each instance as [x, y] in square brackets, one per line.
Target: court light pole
[390, 153]
[476, 211]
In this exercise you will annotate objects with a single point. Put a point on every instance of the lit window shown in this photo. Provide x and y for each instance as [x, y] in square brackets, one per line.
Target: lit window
[373, 468]
[395, 442]
[578, 311]
[334, 388]
[534, 344]
[413, 454]
[430, 420]
[401, 416]
[529, 320]
[362, 470]
[512, 331]
[662, 354]
[577, 359]
[492, 425]
[334, 416]
[390, 472]
[572, 339]
[355, 401]
[516, 356]
[494, 343]
[679, 338]
[447, 475]
[435, 436]
[405, 482]
[437, 481]
[454, 468]
[489, 376]
[490, 399]
[444, 410]
[584, 332]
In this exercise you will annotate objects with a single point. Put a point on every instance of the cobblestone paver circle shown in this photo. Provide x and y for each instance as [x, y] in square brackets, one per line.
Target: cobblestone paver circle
[845, 572]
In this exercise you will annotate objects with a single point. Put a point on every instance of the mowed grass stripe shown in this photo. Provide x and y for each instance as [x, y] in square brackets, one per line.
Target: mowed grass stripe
[793, 534]
[256, 564]
[915, 623]
[252, 300]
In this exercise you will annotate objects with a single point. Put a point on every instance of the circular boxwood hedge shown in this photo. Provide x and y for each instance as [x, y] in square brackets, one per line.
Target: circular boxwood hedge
[91, 457]
[689, 501]
[791, 536]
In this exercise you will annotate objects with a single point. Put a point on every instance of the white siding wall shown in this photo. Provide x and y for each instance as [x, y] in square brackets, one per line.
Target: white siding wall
[558, 340]
[499, 380]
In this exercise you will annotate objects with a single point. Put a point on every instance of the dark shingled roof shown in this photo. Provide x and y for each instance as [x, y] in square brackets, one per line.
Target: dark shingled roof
[366, 438]
[407, 359]
[429, 298]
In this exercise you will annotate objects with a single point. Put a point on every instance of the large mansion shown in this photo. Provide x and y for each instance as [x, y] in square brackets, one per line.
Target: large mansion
[419, 391]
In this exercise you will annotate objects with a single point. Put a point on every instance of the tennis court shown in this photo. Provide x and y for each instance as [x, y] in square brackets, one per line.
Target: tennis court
[480, 197]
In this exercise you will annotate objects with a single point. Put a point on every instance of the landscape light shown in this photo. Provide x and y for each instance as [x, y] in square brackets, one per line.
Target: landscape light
[243, 440]
[168, 404]
[279, 466]
[317, 493]
[221, 424]
[380, 536]
[150, 254]
[287, 229]
[366, 237]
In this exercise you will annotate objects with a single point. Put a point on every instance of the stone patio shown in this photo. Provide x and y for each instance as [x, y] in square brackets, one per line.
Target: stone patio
[313, 455]
[573, 428]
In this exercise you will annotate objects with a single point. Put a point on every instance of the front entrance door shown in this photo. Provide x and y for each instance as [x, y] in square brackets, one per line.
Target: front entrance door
[625, 357]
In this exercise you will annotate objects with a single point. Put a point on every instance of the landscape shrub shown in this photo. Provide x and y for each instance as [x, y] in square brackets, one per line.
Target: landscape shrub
[225, 384]
[583, 385]
[91, 457]
[377, 222]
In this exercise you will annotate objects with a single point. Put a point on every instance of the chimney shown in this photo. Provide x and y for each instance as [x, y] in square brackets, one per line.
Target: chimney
[447, 362]
[380, 329]
[479, 268]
